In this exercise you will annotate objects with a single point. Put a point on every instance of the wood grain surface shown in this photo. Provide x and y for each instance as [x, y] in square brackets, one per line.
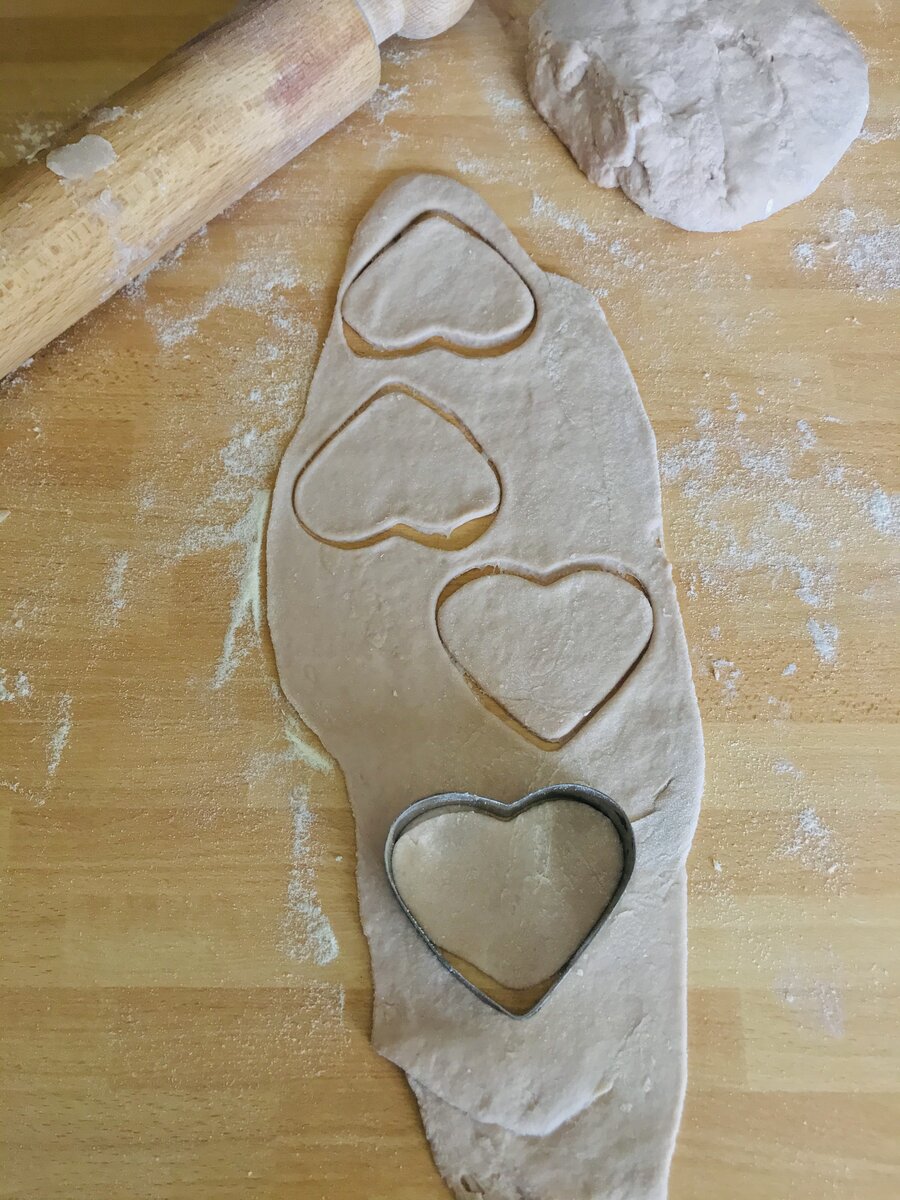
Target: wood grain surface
[175, 847]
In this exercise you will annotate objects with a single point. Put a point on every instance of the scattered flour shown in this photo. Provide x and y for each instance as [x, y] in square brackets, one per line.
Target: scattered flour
[255, 284]
[245, 618]
[389, 100]
[59, 738]
[298, 749]
[772, 504]
[308, 933]
[815, 1002]
[804, 255]
[243, 477]
[889, 132]
[114, 592]
[107, 115]
[389, 144]
[725, 672]
[514, 111]
[813, 845]
[825, 640]
[546, 210]
[400, 53]
[502, 102]
[884, 512]
[31, 136]
[808, 438]
[249, 455]
[266, 388]
[862, 253]
[18, 689]
[136, 289]
[485, 170]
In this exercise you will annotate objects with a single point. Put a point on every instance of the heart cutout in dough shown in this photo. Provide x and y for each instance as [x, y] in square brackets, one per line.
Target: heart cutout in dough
[376, 478]
[438, 284]
[508, 895]
[545, 651]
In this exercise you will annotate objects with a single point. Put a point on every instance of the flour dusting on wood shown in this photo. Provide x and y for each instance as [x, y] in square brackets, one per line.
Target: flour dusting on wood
[59, 738]
[16, 687]
[307, 931]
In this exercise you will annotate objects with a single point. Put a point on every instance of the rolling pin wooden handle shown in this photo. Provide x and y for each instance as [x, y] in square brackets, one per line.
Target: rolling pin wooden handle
[179, 145]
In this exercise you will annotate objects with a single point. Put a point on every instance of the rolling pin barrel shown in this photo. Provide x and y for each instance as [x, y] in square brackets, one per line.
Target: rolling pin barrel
[178, 145]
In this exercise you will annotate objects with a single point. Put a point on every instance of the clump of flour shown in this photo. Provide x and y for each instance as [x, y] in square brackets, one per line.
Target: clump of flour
[16, 687]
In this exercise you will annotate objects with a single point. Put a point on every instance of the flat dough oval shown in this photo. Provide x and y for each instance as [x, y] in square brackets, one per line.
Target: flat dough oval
[377, 476]
[438, 282]
[515, 898]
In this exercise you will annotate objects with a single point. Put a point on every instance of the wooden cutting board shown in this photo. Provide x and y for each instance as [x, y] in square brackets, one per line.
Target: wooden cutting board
[176, 851]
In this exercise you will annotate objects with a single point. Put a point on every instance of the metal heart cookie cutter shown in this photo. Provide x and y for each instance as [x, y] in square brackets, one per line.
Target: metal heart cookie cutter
[451, 802]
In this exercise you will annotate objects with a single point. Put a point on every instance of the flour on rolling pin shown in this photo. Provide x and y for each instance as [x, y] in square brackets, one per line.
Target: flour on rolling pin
[81, 159]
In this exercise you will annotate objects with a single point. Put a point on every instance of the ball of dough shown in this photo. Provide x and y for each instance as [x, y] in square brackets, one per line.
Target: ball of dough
[708, 113]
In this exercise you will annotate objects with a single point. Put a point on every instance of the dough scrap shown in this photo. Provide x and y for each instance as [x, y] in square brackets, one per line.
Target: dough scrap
[515, 898]
[347, 495]
[708, 113]
[360, 657]
[438, 281]
[549, 653]
[81, 159]
[617, 1148]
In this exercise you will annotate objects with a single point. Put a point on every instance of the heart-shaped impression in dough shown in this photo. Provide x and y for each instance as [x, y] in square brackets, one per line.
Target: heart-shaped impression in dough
[545, 651]
[376, 478]
[507, 896]
[438, 284]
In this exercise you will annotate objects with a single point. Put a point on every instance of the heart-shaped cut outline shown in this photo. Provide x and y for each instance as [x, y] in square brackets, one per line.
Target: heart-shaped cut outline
[442, 802]
[542, 579]
[361, 347]
[459, 537]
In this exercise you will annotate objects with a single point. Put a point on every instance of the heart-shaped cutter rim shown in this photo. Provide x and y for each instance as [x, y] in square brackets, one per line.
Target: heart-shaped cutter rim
[430, 806]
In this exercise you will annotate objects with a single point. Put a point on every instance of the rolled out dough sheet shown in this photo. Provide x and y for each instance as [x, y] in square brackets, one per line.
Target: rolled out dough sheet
[361, 657]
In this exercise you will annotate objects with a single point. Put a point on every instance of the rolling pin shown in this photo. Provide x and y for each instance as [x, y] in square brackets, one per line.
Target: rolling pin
[178, 145]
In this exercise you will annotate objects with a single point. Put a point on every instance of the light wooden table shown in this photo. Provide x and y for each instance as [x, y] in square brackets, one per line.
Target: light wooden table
[165, 1028]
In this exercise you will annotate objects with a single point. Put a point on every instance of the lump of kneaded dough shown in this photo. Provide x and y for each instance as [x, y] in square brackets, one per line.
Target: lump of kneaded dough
[708, 113]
